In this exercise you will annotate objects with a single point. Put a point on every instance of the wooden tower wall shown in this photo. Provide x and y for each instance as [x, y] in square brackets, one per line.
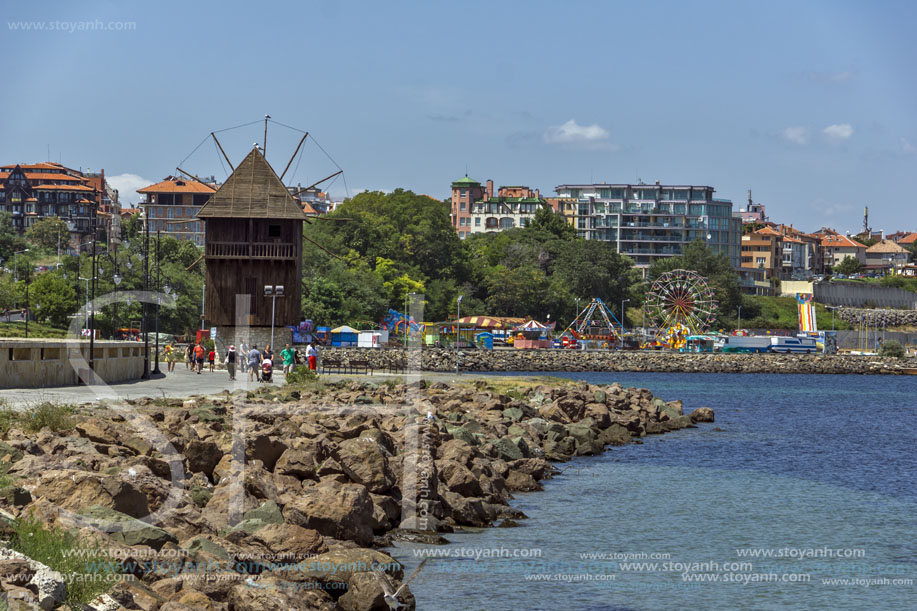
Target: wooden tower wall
[244, 255]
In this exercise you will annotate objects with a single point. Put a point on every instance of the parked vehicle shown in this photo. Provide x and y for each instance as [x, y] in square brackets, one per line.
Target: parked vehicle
[804, 345]
[743, 343]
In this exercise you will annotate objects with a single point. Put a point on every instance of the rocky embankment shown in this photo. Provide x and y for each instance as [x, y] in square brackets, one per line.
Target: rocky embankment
[619, 361]
[281, 498]
[882, 318]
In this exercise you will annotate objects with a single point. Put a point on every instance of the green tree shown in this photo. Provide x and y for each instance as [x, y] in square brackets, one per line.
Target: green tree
[552, 222]
[517, 292]
[588, 269]
[8, 293]
[715, 267]
[850, 265]
[10, 241]
[52, 299]
[48, 233]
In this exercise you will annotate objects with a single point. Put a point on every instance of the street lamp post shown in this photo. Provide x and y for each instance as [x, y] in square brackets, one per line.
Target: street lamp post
[273, 291]
[458, 330]
[740, 318]
[623, 301]
[158, 280]
[144, 323]
[28, 313]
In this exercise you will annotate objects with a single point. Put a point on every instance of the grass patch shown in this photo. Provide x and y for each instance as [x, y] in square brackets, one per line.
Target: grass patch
[17, 329]
[303, 378]
[55, 416]
[78, 561]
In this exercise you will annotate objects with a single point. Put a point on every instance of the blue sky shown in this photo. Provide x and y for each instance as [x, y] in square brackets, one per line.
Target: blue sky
[810, 105]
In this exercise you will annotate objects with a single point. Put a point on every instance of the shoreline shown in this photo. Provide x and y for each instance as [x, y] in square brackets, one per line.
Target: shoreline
[332, 472]
[552, 360]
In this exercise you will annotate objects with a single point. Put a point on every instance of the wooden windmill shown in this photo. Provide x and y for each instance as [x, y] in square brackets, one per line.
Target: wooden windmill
[253, 232]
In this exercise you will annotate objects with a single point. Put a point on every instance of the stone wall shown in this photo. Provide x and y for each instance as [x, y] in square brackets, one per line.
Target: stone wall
[577, 360]
[40, 363]
[882, 318]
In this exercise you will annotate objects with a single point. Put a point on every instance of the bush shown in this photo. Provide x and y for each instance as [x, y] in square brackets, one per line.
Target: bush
[301, 376]
[64, 552]
[892, 348]
[55, 416]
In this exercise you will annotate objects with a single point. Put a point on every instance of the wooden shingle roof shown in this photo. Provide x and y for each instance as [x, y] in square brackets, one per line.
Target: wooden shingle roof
[253, 190]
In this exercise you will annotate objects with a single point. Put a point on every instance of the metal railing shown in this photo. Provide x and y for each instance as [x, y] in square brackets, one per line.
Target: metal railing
[255, 250]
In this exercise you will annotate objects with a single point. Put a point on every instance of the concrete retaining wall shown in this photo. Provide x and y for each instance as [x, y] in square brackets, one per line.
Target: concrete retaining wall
[40, 363]
[857, 294]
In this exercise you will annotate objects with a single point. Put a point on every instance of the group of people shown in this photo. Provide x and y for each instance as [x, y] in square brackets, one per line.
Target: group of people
[258, 363]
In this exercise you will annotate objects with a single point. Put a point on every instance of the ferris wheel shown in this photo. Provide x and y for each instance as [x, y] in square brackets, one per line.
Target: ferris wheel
[681, 299]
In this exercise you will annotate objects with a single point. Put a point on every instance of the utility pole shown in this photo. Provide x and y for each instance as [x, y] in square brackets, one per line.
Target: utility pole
[158, 300]
[144, 323]
[458, 330]
[92, 305]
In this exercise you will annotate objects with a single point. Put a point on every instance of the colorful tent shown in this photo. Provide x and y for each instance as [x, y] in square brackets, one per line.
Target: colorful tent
[532, 325]
[490, 322]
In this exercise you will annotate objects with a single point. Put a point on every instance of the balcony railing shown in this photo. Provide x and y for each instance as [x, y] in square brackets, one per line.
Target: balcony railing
[256, 250]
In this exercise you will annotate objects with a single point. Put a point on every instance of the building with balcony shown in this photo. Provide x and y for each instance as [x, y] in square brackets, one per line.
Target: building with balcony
[465, 192]
[171, 206]
[30, 192]
[510, 207]
[887, 257]
[837, 247]
[649, 222]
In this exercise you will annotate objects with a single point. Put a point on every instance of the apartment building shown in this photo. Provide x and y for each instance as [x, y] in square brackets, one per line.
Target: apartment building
[481, 209]
[837, 247]
[649, 222]
[171, 205]
[30, 192]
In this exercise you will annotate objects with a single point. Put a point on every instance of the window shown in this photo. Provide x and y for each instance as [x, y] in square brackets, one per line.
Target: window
[462, 207]
[273, 231]
[477, 221]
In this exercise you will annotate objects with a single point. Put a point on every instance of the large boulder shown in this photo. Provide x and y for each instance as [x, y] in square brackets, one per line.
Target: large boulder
[270, 593]
[458, 478]
[203, 456]
[342, 511]
[289, 542]
[47, 586]
[702, 414]
[266, 448]
[74, 490]
[301, 463]
[364, 461]
[457, 450]
[124, 528]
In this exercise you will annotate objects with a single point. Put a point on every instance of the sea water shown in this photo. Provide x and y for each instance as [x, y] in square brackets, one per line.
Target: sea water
[802, 495]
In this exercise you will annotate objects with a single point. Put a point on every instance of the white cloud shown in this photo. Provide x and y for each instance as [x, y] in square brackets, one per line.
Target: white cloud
[573, 133]
[906, 147]
[838, 132]
[796, 135]
[127, 185]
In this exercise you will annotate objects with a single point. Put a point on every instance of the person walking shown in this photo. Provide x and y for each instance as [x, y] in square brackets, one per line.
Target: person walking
[212, 357]
[310, 356]
[289, 357]
[267, 354]
[199, 354]
[189, 357]
[231, 362]
[170, 357]
[243, 361]
[254, 363]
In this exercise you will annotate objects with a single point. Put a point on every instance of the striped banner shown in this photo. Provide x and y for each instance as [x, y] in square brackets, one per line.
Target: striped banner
[807, 320]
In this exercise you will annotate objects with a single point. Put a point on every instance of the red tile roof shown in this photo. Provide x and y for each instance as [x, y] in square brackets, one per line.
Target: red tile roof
[840, 241]
[908, 239]
[177, 185]
[65, 187]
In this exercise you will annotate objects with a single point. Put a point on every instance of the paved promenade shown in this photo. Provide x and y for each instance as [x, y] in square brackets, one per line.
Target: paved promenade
[181, 383]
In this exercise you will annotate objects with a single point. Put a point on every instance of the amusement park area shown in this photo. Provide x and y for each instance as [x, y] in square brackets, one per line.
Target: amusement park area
[679, 314]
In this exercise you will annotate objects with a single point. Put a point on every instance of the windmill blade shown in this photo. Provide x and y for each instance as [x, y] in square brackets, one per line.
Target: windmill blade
[192, 266]
[317, 245]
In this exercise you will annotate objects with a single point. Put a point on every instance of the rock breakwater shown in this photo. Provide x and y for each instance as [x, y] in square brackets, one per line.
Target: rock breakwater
[385, 359]
[281, 498]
